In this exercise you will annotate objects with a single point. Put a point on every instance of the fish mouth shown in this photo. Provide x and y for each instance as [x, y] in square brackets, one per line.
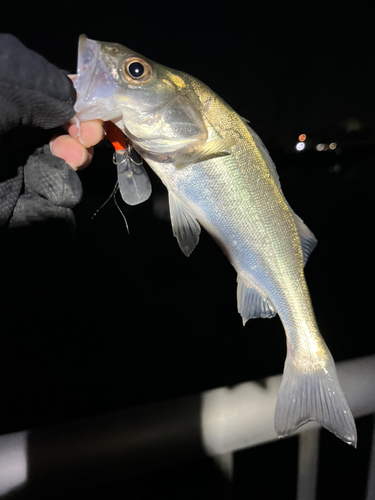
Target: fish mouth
[88, 52]
[94, 84]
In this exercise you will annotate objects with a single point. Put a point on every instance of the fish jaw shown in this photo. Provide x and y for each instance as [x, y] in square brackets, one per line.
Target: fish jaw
[95, 85]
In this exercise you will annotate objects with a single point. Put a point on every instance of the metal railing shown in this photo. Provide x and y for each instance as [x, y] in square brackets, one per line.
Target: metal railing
[216, 423]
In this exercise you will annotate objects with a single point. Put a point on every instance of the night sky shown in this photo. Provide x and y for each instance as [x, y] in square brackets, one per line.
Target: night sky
[282, 67]
[106, 321]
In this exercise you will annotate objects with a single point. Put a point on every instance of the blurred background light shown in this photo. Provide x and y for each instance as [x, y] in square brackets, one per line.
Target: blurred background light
[300, 146]
[302, 137]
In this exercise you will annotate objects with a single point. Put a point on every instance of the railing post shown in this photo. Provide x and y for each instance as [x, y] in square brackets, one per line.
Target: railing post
[308, 458]
[371, 470]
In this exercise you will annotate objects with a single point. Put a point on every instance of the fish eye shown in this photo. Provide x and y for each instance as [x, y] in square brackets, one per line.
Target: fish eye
[136, 70]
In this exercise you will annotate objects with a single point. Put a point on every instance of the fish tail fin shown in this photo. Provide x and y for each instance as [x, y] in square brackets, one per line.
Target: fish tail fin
[313, 395]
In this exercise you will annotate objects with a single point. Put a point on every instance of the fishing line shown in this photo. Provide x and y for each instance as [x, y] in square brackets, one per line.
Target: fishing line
[113, 195]
[121, 212]
[107, 200]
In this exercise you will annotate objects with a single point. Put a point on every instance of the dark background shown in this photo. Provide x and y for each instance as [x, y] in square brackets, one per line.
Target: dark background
[106, 320]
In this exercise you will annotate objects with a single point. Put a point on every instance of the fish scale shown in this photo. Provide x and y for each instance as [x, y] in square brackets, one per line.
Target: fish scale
[219, 175]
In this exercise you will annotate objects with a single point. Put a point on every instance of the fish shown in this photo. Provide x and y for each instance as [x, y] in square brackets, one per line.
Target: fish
[220, 176]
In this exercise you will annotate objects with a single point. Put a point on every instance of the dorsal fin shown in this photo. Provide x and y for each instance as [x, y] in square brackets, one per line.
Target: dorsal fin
[307, 238]
[262, 148]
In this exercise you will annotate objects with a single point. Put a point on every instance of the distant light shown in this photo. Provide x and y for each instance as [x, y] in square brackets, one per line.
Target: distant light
[300, 146]
[302, 137]
[333, 146]
[335, 169]
[320, 147]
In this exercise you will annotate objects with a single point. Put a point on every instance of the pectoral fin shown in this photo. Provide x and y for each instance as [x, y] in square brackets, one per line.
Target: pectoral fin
[205, 151]
[184, 226]
[251, 302]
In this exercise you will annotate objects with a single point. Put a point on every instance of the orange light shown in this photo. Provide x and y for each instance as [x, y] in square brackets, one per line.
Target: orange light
[302, 137]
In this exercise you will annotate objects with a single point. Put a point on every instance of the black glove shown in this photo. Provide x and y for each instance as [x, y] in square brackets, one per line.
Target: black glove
[33, 92]
[51, 189]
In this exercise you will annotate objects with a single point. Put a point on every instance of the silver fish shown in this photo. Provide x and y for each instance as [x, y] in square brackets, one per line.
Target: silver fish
[219, 175]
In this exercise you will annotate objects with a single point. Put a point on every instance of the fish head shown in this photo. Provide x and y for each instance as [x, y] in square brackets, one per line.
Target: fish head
[149, 102]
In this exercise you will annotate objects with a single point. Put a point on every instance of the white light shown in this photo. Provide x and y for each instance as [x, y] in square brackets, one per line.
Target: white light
[300, 146]
[13, 461]
[320, 147]
[333, 146]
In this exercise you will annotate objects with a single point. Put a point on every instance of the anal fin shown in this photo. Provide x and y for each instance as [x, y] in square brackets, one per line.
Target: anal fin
[251, 302]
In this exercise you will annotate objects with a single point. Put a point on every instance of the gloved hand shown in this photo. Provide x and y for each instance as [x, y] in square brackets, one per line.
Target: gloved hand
[32, 90]
[51, 189]
[36, 93]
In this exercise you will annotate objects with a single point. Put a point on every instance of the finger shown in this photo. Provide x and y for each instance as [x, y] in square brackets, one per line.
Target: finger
[67, 148]
[90, 154]
[92, 132]
[73, 77]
